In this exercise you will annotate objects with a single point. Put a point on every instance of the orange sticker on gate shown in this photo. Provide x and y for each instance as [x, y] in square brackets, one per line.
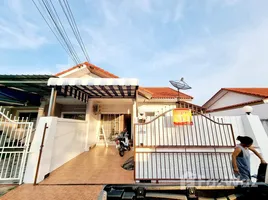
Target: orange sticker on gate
[182, 116]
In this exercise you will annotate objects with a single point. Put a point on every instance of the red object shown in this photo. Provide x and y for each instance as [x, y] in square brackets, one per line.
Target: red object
[117, 141]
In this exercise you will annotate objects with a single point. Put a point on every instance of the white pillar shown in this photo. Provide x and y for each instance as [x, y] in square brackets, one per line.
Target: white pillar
[133, 117]
[52, 102]
[88, 110]
[254, 129]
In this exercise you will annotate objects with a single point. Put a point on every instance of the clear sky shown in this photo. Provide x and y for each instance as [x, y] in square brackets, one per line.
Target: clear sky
[211, 43]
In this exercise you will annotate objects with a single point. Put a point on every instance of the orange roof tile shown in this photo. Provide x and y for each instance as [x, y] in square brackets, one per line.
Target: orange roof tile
[260, 92]
[165, 92]
[93, 69]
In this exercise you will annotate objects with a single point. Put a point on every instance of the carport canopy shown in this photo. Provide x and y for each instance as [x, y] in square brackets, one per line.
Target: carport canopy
[85, 88]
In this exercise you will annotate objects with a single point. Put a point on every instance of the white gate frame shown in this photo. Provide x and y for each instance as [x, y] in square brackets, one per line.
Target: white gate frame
[16, 135]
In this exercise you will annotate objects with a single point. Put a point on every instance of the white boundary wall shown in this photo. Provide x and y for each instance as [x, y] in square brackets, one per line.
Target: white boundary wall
[64, 140]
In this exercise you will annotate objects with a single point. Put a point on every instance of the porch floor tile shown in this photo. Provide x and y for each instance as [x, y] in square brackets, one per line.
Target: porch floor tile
[100, 165]
[49, 192]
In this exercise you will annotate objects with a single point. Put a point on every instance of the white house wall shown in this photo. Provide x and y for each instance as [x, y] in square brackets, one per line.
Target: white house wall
[261, 110]
[157, 108]
[115, 108]
[232, 98]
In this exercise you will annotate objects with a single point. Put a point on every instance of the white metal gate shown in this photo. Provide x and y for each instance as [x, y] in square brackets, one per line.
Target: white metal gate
[15, 135]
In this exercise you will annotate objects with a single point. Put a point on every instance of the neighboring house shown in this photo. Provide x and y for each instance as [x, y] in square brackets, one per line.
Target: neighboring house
[113, 114]
[230, 101]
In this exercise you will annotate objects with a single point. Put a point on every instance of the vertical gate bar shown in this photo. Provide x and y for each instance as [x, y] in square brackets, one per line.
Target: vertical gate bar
[3, 166]
[229, 162]
[218, 142]
[174, 165]
[223, 173]
[12, 165]
[17, 164]
[212, 133]
[192, 134]
[169, 162]
[148, 165]
[7, 165]
[163, 130]
[214, 170]
[222, 143]
[12, 134]
[143, 168]
[21, 123]
[135, 153]
[188, 135]
[209, 166]
[227, 170]
[166, 128]
[152, 163]
[173, 128]
[197, 120]
[178, 162]
[212, 164]
[25, 131]
[147, 133]
[159, 131]
[195, 165]
[15, 131]
[195, 132]
[3, 135]
[142, 163]
[206, 125]
[204, 163]
[183, 133]
[217, 163]
[156, 166]
[161, 171]
[151, 133]
[204, 131]
[225, 133]
[155, 134]
[138, 135]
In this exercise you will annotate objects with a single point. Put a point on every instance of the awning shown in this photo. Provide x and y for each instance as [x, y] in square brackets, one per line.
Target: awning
[85, 88]
[23, 89]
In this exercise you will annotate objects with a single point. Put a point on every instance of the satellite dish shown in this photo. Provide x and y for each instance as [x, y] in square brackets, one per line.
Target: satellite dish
[180, 84]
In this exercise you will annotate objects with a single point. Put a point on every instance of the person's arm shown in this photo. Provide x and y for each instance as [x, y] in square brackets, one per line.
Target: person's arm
[234, 155]
[257, 154]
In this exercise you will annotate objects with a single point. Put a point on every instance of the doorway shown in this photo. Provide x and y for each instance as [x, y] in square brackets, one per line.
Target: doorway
[114, 124]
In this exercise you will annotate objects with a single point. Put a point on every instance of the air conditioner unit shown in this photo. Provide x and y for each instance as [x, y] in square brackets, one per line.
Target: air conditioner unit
[96, 109]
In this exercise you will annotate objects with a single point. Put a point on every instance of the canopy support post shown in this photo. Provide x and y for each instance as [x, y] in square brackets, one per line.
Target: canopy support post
[52, 102]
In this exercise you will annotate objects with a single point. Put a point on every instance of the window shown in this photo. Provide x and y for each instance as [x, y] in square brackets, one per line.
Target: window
[78, 116]
[32, 116]
[149, 114]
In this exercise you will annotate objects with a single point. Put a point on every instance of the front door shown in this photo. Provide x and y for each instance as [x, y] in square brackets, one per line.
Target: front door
[114, 124]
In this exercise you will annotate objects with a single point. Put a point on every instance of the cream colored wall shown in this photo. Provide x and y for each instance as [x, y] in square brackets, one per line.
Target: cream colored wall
[158, 108]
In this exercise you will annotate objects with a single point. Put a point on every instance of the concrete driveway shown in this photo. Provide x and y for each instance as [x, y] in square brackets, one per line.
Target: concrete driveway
[81, 178]
[100, 165]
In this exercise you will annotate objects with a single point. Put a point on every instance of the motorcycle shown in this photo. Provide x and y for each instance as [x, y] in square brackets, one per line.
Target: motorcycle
[122, 144]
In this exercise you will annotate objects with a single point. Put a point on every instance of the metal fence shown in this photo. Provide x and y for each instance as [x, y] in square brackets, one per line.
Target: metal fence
[183, 165]
[201, 151]
[15, 135]
[205, 132]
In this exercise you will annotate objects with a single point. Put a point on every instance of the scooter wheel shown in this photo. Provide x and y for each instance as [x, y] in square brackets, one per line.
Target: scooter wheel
[121, 153]
[128, 148]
